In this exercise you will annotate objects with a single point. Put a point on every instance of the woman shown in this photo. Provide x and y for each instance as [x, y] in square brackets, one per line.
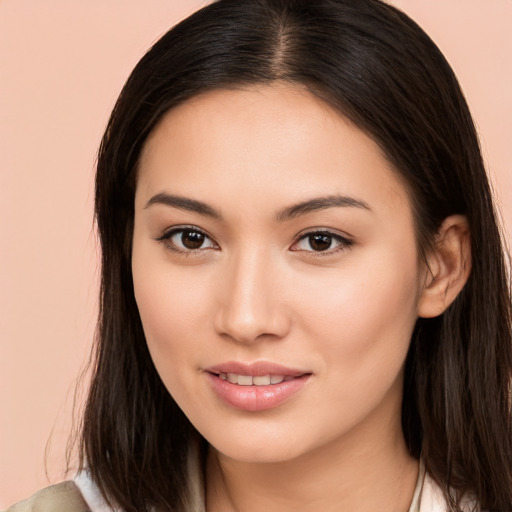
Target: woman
[304, 301]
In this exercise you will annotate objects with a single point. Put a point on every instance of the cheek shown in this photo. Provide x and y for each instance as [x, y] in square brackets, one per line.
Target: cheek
[167, 306]
[171, 311]
[364, 315]
[361, 324]
[171, 306]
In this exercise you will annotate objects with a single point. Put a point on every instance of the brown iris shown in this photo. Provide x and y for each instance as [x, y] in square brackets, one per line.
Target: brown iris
[192, 239]
[320, 241]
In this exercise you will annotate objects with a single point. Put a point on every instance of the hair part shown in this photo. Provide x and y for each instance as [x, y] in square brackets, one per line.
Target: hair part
[381, 71]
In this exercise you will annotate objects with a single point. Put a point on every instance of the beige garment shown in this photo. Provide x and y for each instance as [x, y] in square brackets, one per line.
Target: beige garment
[63, 497]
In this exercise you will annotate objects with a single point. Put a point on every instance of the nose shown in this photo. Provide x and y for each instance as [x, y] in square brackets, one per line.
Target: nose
[251, 305]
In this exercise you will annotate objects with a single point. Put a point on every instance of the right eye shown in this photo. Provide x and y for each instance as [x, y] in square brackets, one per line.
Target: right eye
[187, 239]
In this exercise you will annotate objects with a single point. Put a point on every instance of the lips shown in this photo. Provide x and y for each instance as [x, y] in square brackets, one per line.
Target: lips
[256, 369]
[255, 387]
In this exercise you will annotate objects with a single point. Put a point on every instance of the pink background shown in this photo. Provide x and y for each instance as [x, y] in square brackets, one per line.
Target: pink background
[62, 64]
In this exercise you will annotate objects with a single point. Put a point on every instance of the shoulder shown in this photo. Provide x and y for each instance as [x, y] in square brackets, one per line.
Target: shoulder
[63, 497]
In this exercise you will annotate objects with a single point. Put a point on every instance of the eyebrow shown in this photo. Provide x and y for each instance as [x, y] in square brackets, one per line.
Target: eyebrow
[321, 203]
[184, 203]
[302, 208]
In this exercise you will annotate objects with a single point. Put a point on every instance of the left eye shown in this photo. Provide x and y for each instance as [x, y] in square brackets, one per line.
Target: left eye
[321, 241]
[188, 239]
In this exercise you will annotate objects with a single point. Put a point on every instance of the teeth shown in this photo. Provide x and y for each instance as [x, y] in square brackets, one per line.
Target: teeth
[244, 380]
[248, 380]
[263, 380]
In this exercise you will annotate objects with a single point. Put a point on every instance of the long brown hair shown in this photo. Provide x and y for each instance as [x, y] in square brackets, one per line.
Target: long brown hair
[379, 69]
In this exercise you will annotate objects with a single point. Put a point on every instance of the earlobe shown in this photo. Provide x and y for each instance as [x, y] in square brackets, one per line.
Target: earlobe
[448, 267]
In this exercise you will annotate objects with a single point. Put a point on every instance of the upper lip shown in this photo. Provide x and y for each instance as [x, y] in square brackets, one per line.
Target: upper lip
[256, 369]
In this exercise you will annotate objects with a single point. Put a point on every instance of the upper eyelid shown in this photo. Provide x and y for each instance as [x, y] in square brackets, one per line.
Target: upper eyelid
[176, 229]
[329, 231]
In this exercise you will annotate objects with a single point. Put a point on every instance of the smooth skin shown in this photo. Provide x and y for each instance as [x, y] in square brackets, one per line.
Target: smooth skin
[270, 228]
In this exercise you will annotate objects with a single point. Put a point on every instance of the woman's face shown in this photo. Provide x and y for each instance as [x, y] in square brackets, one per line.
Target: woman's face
[276, 272]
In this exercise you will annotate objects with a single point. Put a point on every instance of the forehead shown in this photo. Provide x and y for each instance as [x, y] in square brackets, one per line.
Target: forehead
[274, 141]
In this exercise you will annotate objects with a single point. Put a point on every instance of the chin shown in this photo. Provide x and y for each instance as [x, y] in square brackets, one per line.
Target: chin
[266, 448]
[258, 454]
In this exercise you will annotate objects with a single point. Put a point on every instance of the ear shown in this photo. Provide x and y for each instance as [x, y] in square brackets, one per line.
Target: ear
[448, 267]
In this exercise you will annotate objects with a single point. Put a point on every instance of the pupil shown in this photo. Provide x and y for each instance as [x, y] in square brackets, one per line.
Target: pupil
[320, 242]
[192, 239]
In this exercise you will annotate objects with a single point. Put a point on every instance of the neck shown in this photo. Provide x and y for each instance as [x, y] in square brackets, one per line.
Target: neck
[363, 472]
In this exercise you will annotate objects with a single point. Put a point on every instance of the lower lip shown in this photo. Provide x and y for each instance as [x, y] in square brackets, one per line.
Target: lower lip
[256, 398]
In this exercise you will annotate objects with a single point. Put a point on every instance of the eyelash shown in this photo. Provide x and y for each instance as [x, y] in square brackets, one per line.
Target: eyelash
[343, 242]
[167, 236]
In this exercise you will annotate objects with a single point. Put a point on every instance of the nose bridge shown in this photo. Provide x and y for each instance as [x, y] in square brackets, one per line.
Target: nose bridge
[250, 305]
